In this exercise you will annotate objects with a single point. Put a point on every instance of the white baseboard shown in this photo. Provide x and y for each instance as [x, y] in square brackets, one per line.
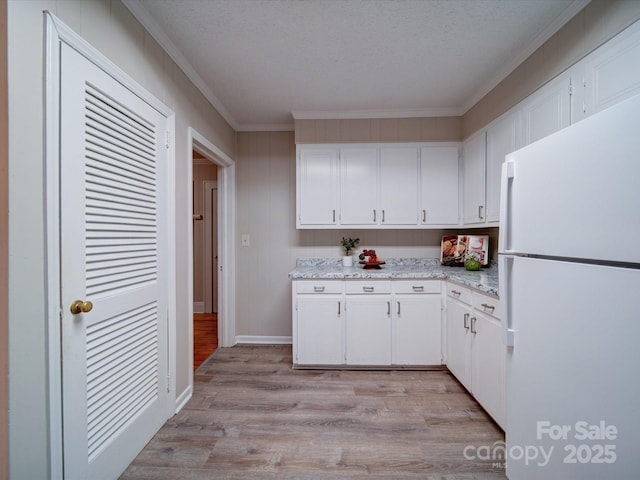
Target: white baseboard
[198, 307]
[184, 397]
[264, 340]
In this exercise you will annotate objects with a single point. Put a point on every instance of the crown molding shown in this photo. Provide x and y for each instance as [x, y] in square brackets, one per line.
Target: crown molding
[571, 11]
[364, 114]
[266, 127]
[156, 31]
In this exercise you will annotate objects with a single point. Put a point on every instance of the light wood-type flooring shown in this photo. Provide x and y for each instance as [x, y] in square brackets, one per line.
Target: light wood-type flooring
[253, 417]
[205, 337]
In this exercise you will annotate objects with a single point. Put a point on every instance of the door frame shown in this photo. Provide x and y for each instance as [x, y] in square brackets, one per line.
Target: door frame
[210, 297]
[226, 239]
[56, 33]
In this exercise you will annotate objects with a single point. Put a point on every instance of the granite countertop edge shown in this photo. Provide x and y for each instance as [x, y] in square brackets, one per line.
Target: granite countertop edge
[485, 280]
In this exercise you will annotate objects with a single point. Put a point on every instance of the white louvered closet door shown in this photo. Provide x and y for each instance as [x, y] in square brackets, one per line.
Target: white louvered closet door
[113, 184]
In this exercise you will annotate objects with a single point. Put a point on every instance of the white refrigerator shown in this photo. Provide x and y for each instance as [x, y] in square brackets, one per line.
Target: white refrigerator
[569, 262]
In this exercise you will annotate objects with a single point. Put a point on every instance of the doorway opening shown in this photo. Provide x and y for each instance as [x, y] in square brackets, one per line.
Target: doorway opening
[217, 210]
[205, 258]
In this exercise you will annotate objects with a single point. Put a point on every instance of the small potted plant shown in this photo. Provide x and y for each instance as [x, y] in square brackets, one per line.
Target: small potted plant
[349, 244]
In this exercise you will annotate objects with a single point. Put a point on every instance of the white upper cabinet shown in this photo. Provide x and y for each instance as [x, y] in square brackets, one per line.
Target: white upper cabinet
[474, 168]
[398, 185]
[503, 137]
[611, 73]
[547, 110]
[359, 179]
[317, 186]
[439, 180]
[377, 185]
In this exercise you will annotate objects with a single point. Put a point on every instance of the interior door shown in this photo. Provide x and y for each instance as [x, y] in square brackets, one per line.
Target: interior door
[113, 184]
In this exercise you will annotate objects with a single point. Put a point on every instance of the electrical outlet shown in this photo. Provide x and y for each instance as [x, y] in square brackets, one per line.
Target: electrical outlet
[246, 240]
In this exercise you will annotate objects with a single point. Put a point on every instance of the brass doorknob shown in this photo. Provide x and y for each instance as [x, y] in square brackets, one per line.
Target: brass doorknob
[80, 306]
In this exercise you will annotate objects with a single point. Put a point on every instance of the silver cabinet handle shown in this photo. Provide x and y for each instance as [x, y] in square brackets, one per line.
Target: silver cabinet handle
[456, 293]
[398, 308]
[318, 289]
[382, 216]
[338, 307]
[480, 207]
[368, 289]
[334, 215]
[418, 288]
[374, 216]
[424, 216]
[466, 319]
[489, 307]
[473, 325]
[388, 308]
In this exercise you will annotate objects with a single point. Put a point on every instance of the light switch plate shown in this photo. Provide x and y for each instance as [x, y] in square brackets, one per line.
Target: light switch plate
[246, 240]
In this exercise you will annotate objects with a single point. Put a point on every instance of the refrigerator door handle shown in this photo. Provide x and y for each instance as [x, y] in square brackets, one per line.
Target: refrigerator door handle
[505, 266]
[506, 185]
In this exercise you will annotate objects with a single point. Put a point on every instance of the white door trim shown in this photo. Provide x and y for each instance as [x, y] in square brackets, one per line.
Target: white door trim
[209, 215]
[226, 240]
[56, 33]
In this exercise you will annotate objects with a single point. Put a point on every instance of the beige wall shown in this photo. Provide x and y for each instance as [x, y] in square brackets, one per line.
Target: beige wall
[202, 172]
[4, 341]
[110, 28]
[427, 129]
[599, 21]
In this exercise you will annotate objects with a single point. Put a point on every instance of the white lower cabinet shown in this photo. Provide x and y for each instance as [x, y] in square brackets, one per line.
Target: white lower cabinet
[475, 353]
[367, 322]
[458, 339]
[368, 331]
[319, 336]
[416, 324]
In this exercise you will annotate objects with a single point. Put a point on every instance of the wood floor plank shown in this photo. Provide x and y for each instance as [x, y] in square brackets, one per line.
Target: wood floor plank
[253, 416]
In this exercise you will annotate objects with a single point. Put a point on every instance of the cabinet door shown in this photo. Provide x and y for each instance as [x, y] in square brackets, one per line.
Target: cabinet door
[612, 72]
[317, 189]
[439, 186]
[417, 330]
[474, 177]
[368, 330]
[547, 110]
[458, 341]
[399, 186]
[488, 365]
[319, 330]
[502, 139]
[359, 186]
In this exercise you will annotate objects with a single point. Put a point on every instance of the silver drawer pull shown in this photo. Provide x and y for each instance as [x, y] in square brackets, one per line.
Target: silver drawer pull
[456, 293]
[466, 319]
[318, 289]
[398, 308]
[424, 216]
[388, 308]
[418, 288]
[368, 289]
[489, 307]
[338, 308]
[473, 325]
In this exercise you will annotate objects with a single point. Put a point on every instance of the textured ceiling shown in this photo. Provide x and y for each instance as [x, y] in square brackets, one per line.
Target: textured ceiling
[260, 60]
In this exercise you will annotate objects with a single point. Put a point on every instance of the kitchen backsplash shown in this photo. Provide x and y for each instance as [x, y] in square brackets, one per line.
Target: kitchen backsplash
[387, 243]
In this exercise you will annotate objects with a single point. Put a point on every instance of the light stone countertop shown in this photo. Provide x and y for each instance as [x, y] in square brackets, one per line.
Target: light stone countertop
[485, 280]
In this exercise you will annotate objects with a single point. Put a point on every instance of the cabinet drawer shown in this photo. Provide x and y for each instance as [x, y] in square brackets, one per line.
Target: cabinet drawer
[416, 286]
[364, 287]
[318, 286]
[487, 304]
[459, 293]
